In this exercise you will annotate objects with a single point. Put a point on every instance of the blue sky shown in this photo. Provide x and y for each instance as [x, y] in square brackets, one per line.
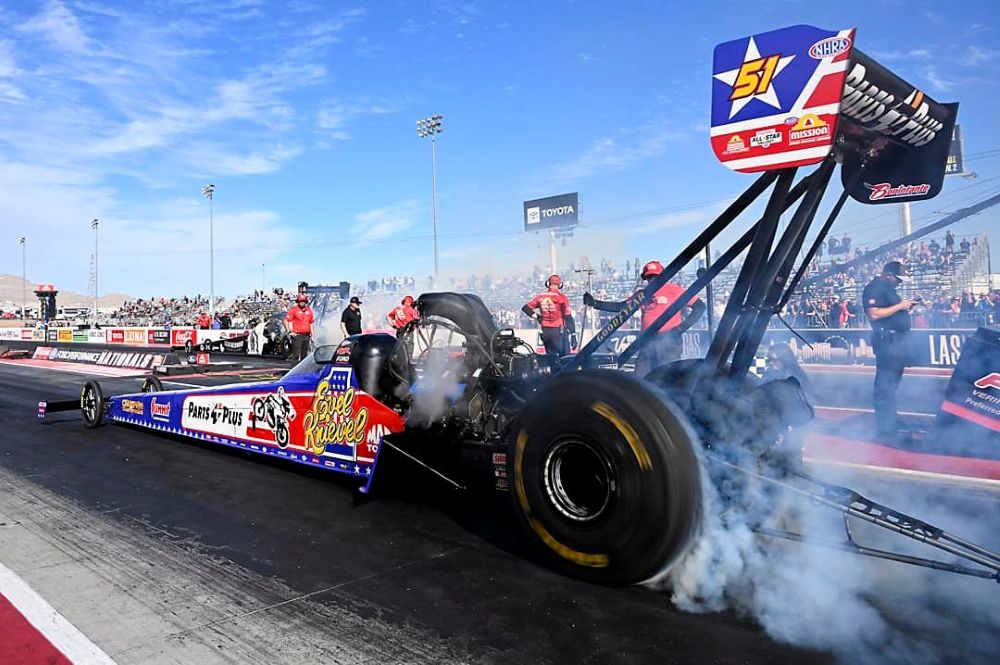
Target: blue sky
[303, 116]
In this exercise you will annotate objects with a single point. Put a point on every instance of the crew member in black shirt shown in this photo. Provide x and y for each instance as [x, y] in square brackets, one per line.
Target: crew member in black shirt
[350, 320]
[890, 319]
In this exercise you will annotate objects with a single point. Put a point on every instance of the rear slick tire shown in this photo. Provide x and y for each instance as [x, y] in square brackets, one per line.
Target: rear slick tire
[606, 478]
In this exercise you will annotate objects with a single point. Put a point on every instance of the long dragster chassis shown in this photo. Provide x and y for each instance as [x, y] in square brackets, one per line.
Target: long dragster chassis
[603, 467]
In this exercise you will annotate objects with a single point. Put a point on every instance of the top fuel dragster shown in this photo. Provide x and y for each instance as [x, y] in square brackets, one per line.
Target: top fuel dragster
[604, 466]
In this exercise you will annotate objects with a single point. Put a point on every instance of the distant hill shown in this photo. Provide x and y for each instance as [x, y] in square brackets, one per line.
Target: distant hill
[10, 295]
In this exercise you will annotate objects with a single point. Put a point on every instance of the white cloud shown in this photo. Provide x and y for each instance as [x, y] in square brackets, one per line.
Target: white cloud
[976, 55]
[937, 81]
[60, 26]
[333, 115]
[607, 154]
[381, 223]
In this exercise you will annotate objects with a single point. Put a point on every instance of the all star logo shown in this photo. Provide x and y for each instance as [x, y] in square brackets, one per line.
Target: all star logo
[765, 138]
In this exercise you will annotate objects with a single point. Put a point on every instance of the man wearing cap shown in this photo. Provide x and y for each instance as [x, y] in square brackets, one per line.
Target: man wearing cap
[300, 325]
[668, 344]
[553, 312]
[890, 318]
[350, 320]
[402, 314]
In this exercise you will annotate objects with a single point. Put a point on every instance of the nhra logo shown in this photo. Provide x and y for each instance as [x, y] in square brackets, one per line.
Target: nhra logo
[829, 47]
[159, 411]
[765, 138]
[991, 380]
[884, 190]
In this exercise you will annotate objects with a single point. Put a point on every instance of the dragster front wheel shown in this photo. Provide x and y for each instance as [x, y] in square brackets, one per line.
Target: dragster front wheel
[605, 477]
[92, 404]
[152, 384]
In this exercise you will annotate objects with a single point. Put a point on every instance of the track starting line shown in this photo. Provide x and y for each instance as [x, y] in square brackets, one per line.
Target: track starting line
[32, 631]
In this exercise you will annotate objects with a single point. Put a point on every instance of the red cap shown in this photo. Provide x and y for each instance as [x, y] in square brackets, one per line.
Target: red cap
[553, 280]
[407, 300]
[302, 298]
[652, 269]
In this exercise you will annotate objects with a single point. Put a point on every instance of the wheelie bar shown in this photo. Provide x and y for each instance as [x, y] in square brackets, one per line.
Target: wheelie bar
[853, 504]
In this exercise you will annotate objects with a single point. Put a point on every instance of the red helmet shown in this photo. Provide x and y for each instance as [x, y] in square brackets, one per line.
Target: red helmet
[553, 280]
[407, 300]
[302, 298]
[652, 269]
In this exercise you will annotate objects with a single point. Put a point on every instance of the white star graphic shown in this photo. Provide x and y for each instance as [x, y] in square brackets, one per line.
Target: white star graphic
[769, 96]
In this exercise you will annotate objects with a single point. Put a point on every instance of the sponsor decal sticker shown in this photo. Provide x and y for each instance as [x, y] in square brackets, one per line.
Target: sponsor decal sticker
[135, 336]
[829, 47]
[159, 410]
[885, 190]
[116, 336]
[765, 138]
[991, 380]
[810, 128]
[217, 414]
[735, 145]
[133, 406]
[332, 419]
[65, 335]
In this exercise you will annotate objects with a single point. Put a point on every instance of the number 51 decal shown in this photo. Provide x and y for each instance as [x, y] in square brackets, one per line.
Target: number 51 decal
[754, 77]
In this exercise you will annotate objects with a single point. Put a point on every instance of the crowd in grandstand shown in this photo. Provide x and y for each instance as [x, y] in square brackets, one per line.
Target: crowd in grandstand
[831, 302]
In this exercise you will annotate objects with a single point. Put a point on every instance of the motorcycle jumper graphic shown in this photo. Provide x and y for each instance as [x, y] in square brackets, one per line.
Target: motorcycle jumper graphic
[276, 411]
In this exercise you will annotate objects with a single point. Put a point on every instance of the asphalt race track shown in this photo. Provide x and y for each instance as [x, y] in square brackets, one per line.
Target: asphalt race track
[162, 550]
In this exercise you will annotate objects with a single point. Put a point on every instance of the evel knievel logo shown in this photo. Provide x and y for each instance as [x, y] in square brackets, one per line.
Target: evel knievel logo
[885, 190]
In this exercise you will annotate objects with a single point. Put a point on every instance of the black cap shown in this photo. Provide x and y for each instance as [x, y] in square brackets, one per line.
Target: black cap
[355, 300]
[895, 268]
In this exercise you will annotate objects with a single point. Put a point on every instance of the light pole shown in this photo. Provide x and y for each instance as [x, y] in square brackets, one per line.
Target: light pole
[24, 281]
[431, 127]
[208, 191]
[94, 224]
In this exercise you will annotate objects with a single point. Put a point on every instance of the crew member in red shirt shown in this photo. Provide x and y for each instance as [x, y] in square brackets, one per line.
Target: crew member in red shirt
[402, 314]
[299, 323]
[553, 313]
[204, 321]
[668, 343]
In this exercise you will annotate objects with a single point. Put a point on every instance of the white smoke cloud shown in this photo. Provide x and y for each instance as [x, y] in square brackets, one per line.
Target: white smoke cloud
[858, 608]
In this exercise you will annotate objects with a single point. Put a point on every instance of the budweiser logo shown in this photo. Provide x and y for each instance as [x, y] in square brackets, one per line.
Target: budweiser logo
[885, 190]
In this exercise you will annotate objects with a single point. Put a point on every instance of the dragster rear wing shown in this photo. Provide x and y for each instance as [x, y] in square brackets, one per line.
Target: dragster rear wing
[789, 97]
